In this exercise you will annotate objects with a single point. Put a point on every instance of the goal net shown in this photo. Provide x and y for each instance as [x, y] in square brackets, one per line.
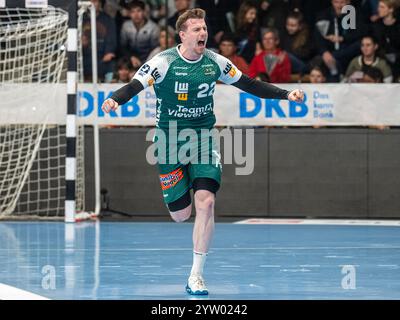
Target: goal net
[33, 145]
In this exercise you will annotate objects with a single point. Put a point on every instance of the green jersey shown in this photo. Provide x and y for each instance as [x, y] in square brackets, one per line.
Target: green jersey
[185, 88]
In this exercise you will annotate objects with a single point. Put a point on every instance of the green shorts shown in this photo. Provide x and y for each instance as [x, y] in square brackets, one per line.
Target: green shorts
[177, 172]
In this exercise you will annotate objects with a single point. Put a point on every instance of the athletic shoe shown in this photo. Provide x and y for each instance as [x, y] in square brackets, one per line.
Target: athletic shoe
[196, 286]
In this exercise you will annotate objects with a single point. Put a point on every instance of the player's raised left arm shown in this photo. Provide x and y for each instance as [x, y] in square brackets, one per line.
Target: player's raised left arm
[296, 95]
[266, 90]
[231, 75]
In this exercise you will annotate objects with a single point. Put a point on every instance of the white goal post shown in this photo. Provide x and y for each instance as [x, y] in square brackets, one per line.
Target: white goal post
[41, 162]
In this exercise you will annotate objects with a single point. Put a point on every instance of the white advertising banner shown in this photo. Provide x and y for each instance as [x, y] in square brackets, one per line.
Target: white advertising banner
[327, 105]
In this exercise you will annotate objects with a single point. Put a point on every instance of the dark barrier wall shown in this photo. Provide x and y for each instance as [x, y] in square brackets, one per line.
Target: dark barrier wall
[299, 172]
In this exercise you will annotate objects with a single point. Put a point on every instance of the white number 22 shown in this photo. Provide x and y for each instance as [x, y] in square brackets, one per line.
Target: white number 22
[206, 90]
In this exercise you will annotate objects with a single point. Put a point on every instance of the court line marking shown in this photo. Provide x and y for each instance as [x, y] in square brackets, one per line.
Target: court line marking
[310, 265]
[345, 265]
[12, 293]
[222, 248]
[295, 270]
[346, 222]
[388, 265]
[109, 266]
[149, 266]
[229, 266]
[269, 266]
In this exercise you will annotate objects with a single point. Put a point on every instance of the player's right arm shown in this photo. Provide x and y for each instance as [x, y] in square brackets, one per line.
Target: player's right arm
[153, 71]
[122, 95]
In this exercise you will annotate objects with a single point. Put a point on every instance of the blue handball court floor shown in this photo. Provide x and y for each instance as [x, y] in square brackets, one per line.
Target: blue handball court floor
[254, 260]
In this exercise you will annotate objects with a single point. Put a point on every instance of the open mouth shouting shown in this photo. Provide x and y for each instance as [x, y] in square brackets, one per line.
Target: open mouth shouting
[201, 44]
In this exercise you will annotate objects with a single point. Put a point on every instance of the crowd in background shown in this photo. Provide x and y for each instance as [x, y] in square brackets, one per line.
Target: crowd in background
[278, 41]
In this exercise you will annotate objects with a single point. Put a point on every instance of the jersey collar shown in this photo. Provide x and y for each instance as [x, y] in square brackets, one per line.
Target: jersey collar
[186, 60]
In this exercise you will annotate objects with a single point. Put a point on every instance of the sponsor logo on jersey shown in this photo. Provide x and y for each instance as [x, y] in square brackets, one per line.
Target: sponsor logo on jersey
[169, 180]
[190, 112]
[155, 74]
[209, 71]
[182, 90]
[230, 69]
[181, 74]
[144, 70]
[227, 68]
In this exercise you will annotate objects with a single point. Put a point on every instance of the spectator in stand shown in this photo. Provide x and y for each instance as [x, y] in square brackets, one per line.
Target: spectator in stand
[135, 61]
[133, 71]
[220, 16]
[167, 40]
[247, 31]
[272, 14]
[310, 8]
[154, 9]
[170, 11]
[296, 41]
[373, 16]
[387, 32]
[368, 9]
[111, 7]
[121, 15]
[181, 6]
[272, 62]
[227, 48]
[124, 71]
[368, 57]
[318, 74]
[338, 45]
[157, 9]
[139, 35]
[106, 44]
[172, 7]
[371, 75]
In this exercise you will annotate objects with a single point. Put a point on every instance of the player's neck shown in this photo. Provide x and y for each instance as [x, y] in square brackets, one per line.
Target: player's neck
[188, 54]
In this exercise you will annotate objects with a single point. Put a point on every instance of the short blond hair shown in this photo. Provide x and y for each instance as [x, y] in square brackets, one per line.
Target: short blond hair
[195, 13]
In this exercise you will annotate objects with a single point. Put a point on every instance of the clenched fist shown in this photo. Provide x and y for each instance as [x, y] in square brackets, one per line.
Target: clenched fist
[296, 95]
[109, 105]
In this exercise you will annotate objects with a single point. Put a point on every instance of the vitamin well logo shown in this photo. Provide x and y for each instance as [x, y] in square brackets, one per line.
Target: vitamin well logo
[182, 90]
[171, 179]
